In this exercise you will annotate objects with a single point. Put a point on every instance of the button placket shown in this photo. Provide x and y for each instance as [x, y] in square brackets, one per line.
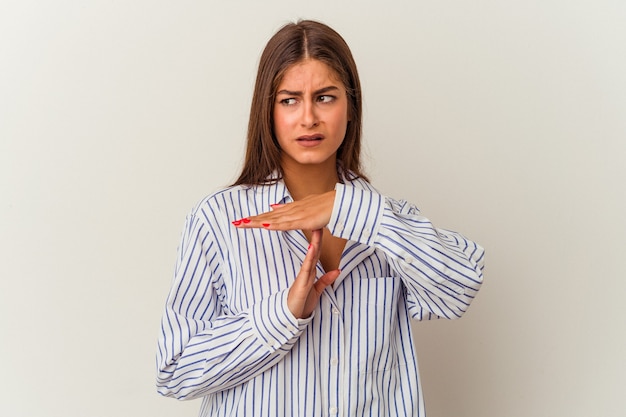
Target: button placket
[331, 356]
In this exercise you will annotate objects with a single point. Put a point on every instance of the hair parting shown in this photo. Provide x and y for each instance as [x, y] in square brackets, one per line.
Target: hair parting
[294, 43]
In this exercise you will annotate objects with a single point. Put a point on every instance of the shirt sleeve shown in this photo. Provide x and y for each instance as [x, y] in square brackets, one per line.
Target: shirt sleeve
[202, 347]
[441, 269]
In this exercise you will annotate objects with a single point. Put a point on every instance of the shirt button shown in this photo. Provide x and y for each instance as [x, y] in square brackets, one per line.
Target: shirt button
[273, 343]
[334, 361]
[333, 410]
[339, 226]
[291, 328]
[409, 259]
[335, 311]
[366, 232]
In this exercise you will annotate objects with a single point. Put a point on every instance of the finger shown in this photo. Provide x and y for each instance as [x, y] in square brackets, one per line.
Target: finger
[309, 264]
[300, 290]
[316, 237]
[274, 220]
[326, 280]
[261, 221]
[316, 242]
[312, 212]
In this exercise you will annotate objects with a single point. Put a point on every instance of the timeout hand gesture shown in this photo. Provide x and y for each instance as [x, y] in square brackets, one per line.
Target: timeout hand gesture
[310, 213]
[305, 291]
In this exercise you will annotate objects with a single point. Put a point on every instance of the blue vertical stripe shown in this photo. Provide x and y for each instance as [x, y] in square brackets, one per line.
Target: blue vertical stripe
[227, 335]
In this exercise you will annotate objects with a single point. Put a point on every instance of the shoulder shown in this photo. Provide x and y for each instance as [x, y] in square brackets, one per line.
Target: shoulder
[361, 183]
[220, 199]
[234, 202]
[397, 205]
[217, 197]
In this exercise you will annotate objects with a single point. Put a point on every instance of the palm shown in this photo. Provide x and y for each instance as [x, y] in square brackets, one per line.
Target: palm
[305, 291]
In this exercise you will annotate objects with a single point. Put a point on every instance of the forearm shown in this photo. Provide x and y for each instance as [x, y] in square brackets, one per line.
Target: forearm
[441, 269]
[198, 358]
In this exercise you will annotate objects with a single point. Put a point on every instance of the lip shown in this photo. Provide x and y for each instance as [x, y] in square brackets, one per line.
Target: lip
[310, 140]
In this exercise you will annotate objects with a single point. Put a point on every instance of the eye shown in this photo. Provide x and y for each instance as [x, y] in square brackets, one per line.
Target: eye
[326, 99]
[288, 101]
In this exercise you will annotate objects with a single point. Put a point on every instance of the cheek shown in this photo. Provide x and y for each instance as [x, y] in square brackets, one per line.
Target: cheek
[341, 119]
[281, 120]
[281, 128]
[277, 123]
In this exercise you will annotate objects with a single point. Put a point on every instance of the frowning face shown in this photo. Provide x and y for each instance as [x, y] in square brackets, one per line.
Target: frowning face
[310, 115]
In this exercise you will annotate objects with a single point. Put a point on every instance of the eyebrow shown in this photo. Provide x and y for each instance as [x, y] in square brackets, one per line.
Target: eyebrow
[316, 92]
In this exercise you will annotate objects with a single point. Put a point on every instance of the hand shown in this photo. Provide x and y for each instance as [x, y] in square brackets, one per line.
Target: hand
[311, 213]
[305, 292]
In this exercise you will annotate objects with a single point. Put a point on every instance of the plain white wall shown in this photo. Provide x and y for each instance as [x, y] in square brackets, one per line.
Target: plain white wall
[503, 120]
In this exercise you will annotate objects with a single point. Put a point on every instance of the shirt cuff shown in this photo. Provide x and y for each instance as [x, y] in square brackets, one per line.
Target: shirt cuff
[357, 214]
[274, 323]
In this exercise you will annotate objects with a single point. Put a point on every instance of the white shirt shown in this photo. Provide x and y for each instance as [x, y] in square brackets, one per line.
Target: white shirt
[228, 336]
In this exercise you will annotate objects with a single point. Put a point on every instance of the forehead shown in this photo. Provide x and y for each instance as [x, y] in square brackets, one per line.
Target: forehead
[309, 72]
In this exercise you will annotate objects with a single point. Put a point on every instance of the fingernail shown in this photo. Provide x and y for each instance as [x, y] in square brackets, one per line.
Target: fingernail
[236, 222]
[265, 224]
[310, 246]
[246, 220]
[274, 205]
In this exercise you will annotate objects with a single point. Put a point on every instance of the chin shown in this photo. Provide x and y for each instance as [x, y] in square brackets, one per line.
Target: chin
[311, 162]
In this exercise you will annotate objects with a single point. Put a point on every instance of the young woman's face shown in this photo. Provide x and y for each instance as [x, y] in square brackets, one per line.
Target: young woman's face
[310, 115]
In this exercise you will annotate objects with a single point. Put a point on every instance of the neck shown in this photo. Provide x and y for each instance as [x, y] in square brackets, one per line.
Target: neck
[305, 180]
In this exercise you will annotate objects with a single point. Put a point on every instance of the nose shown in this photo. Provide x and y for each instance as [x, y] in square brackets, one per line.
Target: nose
[309, 115]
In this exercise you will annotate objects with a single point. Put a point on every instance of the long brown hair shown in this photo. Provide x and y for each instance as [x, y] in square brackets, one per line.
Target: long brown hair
[293, 43]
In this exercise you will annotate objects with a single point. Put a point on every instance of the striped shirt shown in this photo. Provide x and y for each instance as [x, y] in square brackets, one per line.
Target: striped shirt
[228, 336]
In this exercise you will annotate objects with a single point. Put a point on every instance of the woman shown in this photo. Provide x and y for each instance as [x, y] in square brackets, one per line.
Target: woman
[294, 288]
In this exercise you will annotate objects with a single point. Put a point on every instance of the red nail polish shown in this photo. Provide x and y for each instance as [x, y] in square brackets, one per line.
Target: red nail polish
[236, 222]
[246, 220]
[265, 224]
[274, 205]
[310, 246]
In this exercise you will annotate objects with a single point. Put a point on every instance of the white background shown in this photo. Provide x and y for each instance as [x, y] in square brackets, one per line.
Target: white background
[503, 120]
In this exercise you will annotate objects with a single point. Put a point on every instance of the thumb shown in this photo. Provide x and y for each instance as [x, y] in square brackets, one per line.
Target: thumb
[326, 280]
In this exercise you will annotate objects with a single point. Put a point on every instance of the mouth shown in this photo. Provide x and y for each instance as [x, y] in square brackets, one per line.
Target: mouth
[310, 138]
